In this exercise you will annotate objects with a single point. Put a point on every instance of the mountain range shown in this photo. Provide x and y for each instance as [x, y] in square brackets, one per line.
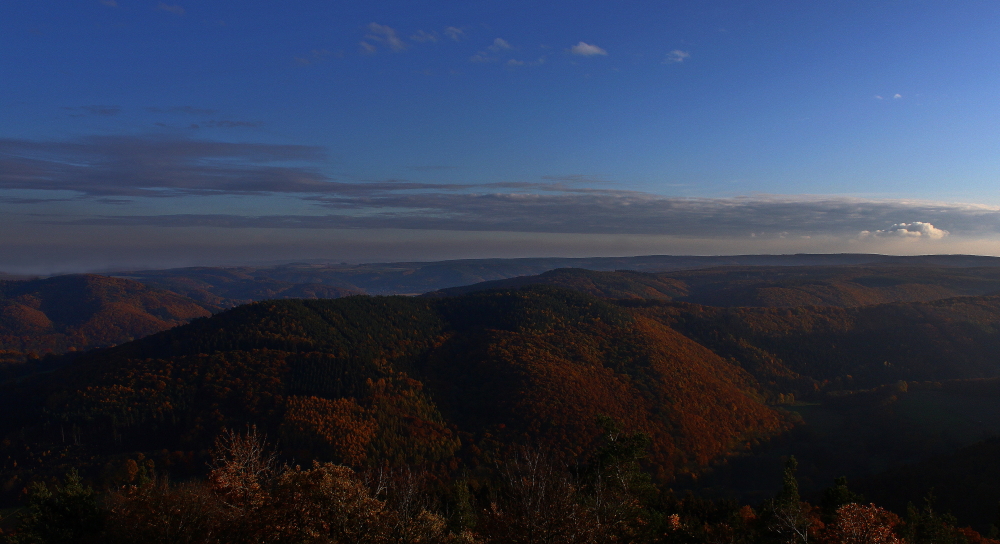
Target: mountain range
[861, 370]
[237, 284]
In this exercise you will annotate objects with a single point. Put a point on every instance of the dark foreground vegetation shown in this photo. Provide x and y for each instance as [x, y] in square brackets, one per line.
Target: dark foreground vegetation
[249, 496]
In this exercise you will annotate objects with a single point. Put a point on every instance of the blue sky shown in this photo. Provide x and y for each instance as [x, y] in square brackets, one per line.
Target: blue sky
[142, 133]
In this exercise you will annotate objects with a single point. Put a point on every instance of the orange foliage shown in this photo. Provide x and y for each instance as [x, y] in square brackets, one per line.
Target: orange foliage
[340, 426]
[863, 524]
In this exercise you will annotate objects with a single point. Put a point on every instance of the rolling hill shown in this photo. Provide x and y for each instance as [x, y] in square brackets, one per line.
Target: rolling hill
[831, 348]
[426, 379]
[455, 381]
[245, 283]
[83, 311]
[767, 286]
[364, 380]
[219, 288]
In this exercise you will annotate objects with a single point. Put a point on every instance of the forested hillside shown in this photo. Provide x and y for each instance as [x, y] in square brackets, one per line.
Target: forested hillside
[245, 283]
[83, 311]
[456, 384]
[847, 348]
[219, 288]
[768, 286]
[406, 380]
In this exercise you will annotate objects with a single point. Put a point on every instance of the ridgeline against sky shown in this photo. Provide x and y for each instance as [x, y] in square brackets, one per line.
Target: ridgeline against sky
[146, 133]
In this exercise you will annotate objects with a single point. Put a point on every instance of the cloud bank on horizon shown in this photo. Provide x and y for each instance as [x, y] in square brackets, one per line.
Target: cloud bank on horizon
[182, 132]
[148, 176]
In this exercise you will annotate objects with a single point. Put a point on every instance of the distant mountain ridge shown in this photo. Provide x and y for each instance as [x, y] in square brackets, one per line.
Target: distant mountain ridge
[219, 288]
[132, 312]
[421, 277]
[767, 286]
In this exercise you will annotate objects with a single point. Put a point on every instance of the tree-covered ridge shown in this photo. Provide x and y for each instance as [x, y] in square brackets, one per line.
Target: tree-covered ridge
[364, 380]
[809, 348]
[548, 362]
[393, 375]
[456, 383]
[83, 311]
[220, 288]
[257, 282]
[768, 286]
[77, 312]
[604, 284]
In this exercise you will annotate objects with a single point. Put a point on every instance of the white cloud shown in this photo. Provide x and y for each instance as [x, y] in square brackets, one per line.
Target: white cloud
[515, 62]
[175, 9]
[386, 35]
[422, 37]
[915, 230]
[587, 50]
[897, 95]
[878, 97]
[676, 56]
[499, 44]
[454, 33]
[488, 55]
[367, 48]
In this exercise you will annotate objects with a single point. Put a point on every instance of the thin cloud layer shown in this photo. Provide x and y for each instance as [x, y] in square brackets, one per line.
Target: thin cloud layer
[384, 35]
[104, 111]
[423, 37]
[156, 167]
[115, 168]
[499, 44]
[676, 56]
[171, 8]
[592, 212]
[587, 50]
[187, 110]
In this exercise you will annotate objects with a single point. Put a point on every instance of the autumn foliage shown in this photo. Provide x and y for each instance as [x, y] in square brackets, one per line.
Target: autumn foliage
[76, 312]
[364, 381]
[863, 524]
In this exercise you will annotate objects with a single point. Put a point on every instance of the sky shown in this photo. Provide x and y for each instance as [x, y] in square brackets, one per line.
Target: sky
[143, 134]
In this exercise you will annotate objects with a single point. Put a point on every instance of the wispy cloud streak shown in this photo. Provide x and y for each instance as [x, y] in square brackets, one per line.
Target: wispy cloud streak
[151, 166]
[127, 167]
[599, 212]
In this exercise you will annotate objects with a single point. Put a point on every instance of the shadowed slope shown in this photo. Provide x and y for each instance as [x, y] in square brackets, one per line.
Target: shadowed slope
[82, 311]
[619, 284]
[361, 380]
[767, 286]
[848, 348]
[227, 287]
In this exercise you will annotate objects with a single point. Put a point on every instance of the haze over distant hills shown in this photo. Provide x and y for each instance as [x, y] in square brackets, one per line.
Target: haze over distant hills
[60, 313]
[229, 285]
[766, 286]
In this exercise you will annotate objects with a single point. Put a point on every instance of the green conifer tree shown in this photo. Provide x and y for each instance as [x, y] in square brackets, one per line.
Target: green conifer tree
[67, 513]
